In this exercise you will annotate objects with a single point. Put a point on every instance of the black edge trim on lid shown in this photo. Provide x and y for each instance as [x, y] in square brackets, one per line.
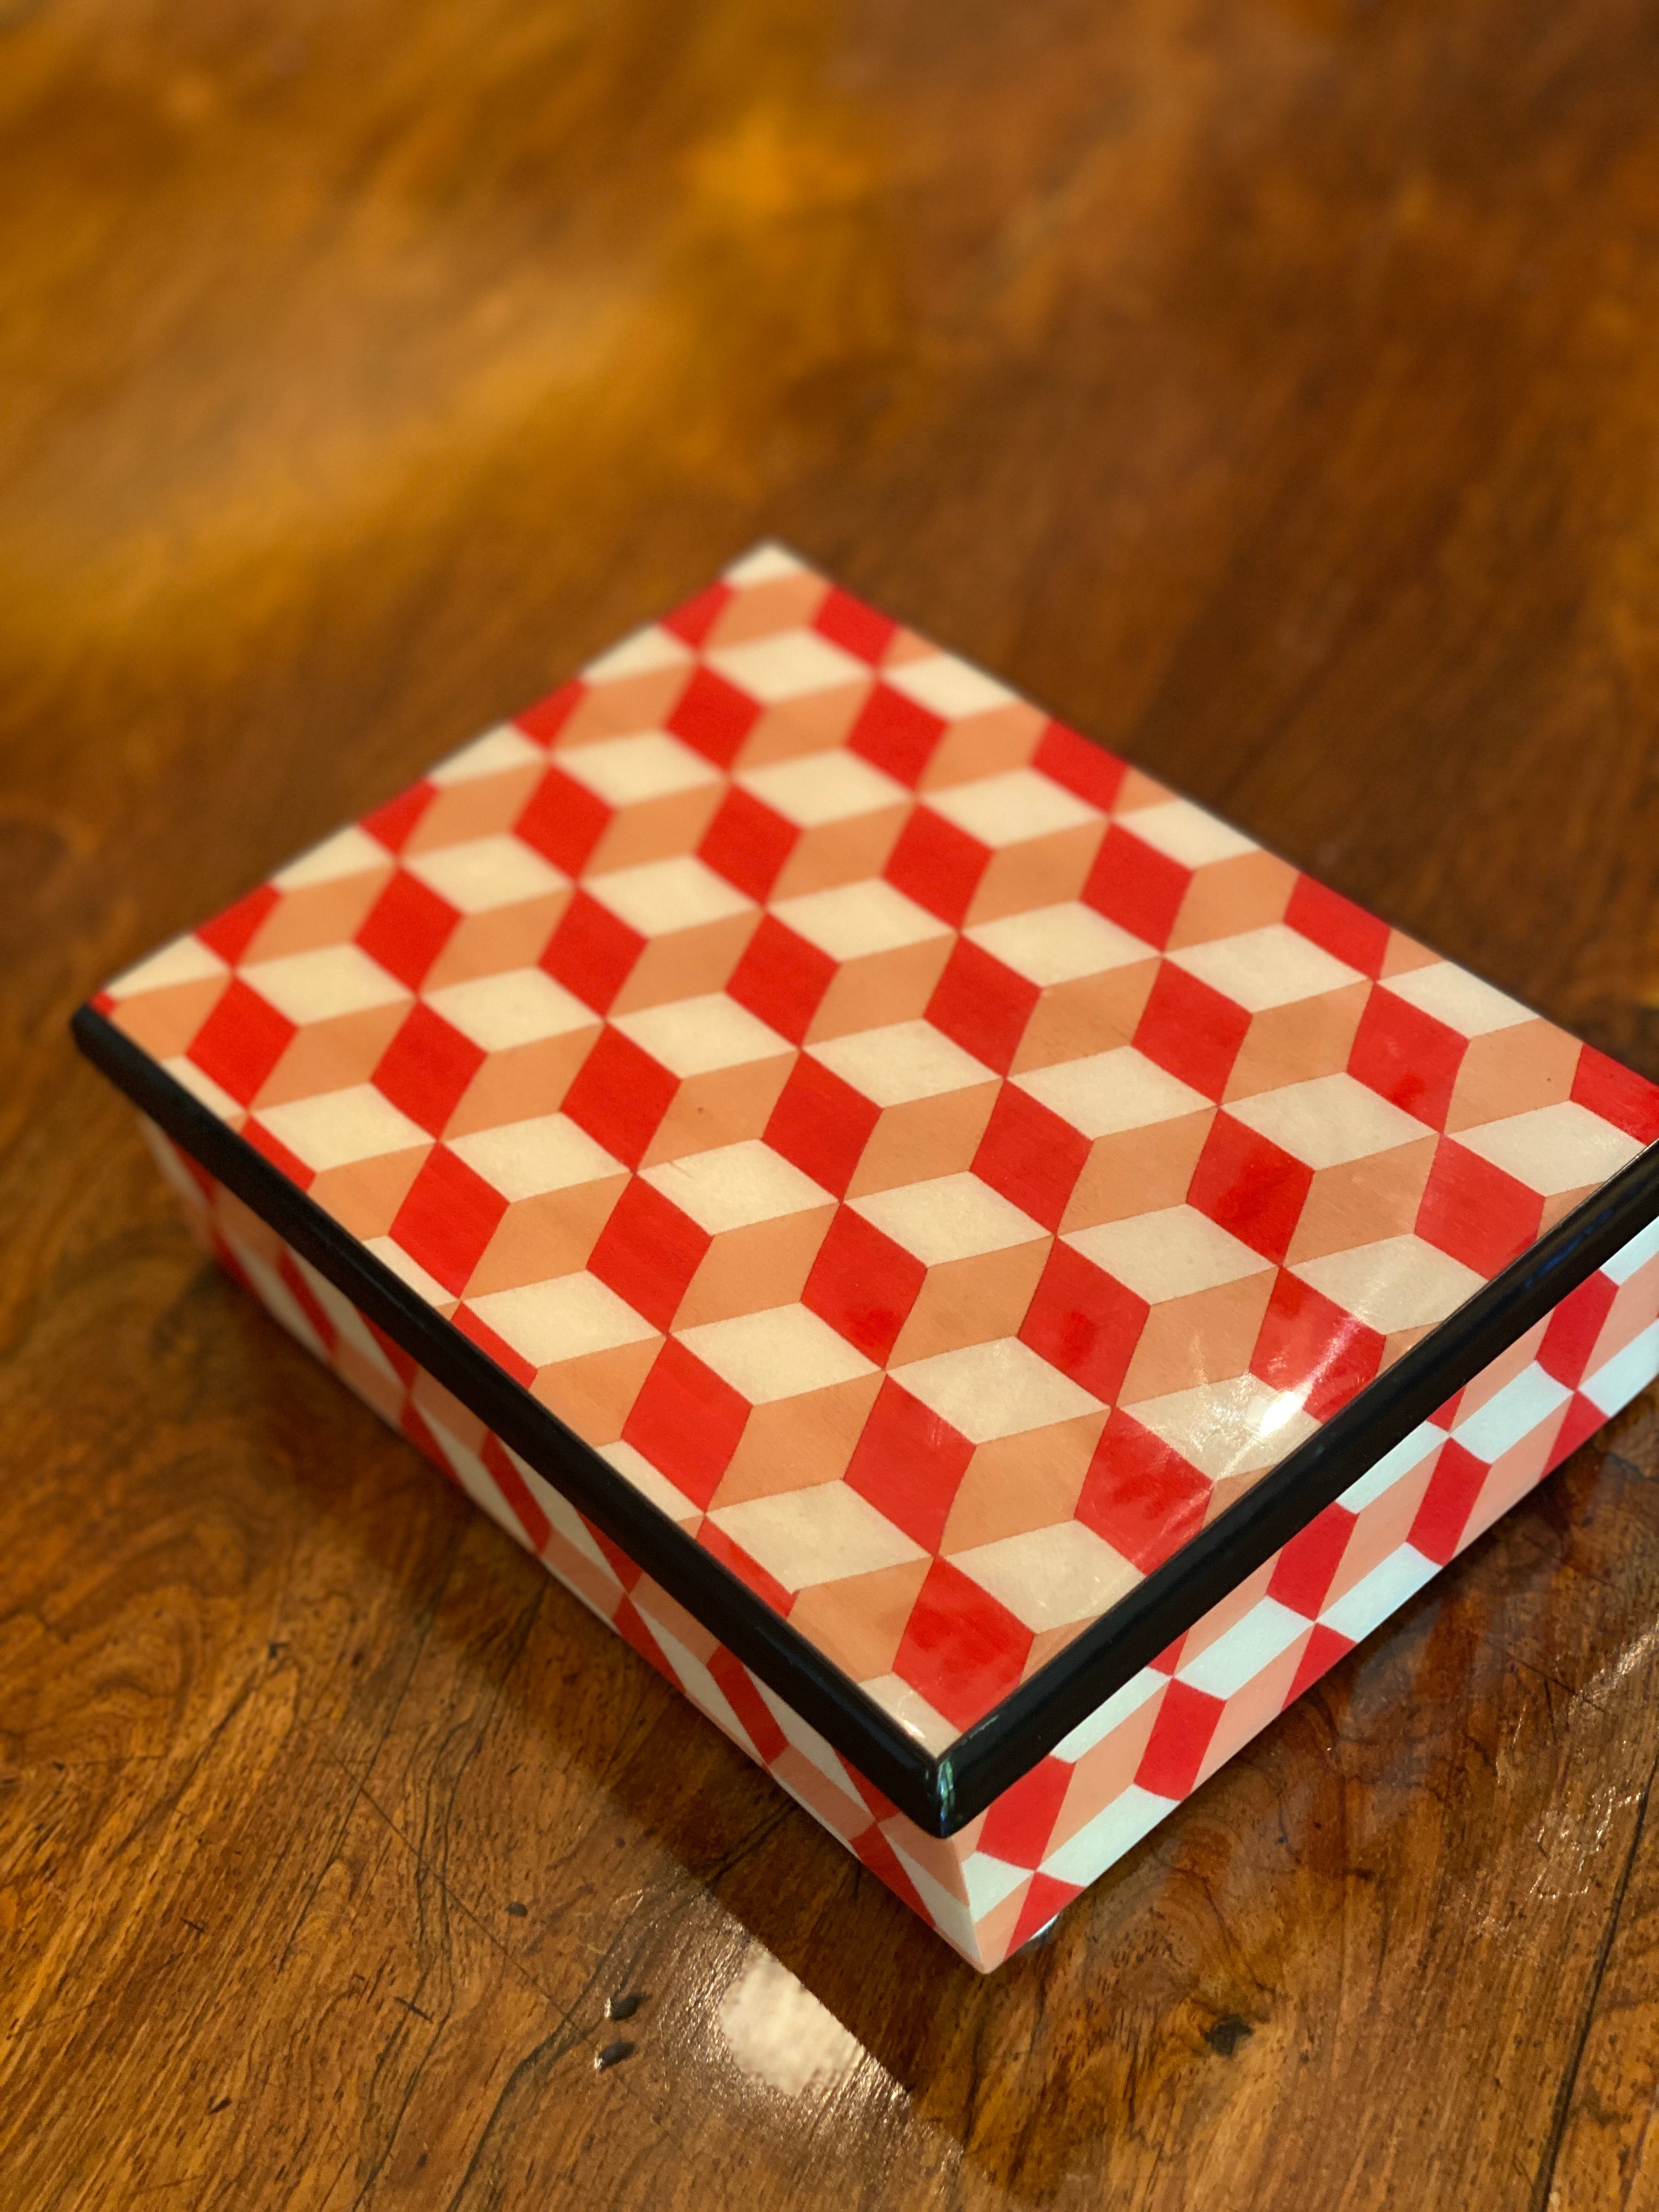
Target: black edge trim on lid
[834, 1705]
[1031, 1720]
[941, 1795]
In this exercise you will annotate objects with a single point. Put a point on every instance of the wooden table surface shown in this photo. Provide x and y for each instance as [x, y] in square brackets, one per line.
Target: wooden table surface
[1272, 390]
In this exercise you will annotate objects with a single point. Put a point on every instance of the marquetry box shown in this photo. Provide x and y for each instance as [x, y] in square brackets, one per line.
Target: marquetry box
[989, 1280]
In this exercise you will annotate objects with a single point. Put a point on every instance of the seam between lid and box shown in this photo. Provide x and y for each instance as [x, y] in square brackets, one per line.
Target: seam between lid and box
[940, 1794]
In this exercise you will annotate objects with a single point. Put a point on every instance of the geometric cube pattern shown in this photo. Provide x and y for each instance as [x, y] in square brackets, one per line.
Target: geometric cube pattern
[1001, 1878]
[941, 1167]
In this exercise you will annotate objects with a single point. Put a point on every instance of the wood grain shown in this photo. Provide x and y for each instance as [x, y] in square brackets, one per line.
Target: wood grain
[1272, 391]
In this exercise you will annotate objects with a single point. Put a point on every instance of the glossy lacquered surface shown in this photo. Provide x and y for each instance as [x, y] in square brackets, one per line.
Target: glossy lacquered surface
[1270, 396]
[936, 1166]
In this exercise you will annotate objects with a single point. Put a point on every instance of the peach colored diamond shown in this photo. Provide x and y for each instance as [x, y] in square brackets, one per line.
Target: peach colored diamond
[949, 687]
[186, 960]
[627, 771]
[1186, 834]
[634, 1467]
[319, 986]
[562, 1319]
[640, 653]
[856, 919]
[1459, 999]
[694, 1036]
[348, 852]
[912, 1711]
[787, 665]
[1006, 810]
[662, 895]
[1111, 1091]
[823, 788]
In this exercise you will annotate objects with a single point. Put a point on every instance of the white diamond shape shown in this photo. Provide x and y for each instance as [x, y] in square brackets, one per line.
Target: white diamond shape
[780, 1353]
[1013, 808]
[1554, 1148]
[997, 1389]
[320, 985]
[1327, 1121]
[1264, 968]
[523, 1159]
[519, 1005]
[1400, 1282]
[339, 1126]
[1050, 1578]
[819, 1535]
[788, 664]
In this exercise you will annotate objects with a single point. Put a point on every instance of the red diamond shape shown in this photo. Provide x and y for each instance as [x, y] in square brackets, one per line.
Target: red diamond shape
[1031, 1155]
[563, 820]
[1136, 886]
[1180, 1736]
[230, 933]
[406, 928]
[1255, 1190]
[447, 1218]
[591, 952]
[620, 1096]
[1020, 1822]
[895, 733]
[241, 1040]
[1140, 1496]
[864, 1285]
[937, 864]
[961, 1650]
[782, 978]
[859, 629]
[1086, 768]
[748, 843]
[686, 1421]
[1191, 1031]
[426, 1069]
[1084, 1323]
[1306, 1568]
[647, 1252]
[909, 1463]
[820, 1124]
[714, 716]
[982, 1005]
[1309, 1343]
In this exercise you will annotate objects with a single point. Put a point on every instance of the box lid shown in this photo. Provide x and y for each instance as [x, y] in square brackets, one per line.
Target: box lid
[949, 1206]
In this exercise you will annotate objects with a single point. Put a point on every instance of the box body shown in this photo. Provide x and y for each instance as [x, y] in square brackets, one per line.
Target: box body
[989, 1280]
[1001, 1879]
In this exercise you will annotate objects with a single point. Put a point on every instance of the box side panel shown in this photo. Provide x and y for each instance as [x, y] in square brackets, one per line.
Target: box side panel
[1003, 1877]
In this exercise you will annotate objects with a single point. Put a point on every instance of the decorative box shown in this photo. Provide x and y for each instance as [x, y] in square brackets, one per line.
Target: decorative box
[989, 1280]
